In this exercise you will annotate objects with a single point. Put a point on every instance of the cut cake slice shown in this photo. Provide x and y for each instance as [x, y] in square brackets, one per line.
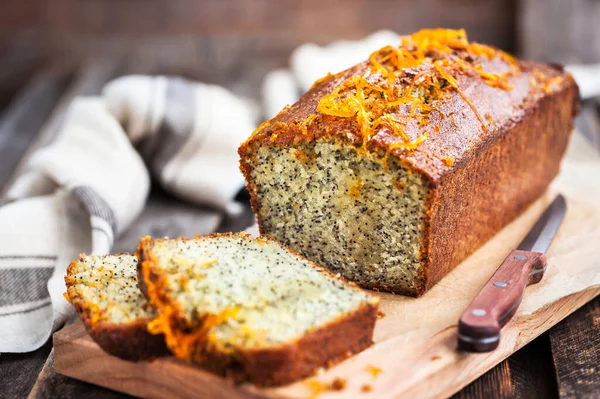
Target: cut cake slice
[251, 309]
[105, 294]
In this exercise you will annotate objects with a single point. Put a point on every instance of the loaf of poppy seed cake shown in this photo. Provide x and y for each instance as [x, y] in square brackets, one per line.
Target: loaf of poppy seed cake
[105, 294]
[250, 309]
[394, 171]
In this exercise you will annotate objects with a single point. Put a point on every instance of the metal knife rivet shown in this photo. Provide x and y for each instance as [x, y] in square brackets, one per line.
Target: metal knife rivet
[520, 257]
[478, 312]
[499, 283]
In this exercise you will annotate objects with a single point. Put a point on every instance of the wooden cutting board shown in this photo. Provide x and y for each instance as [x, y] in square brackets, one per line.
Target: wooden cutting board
[415, 353]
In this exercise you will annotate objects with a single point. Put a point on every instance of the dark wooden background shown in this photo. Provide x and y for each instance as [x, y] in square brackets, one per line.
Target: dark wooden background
[52, 50]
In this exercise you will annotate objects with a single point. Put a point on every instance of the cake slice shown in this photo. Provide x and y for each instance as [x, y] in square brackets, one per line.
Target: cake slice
[251, 309]
[105, 294]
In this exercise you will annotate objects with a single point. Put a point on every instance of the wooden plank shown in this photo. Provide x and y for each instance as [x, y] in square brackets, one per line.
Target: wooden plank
[495, 383]
[89, 80]
[19, 371]
[72, 24]
[560, 31]
[26, 114]
[531, 371]
[526, 374]
[576, 351]
[19, 60]
[134, 378]
[52, 385]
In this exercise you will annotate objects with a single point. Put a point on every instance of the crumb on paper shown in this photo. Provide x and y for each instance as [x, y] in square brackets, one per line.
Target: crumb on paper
[374, 371]
[436, 357]
[366, 388]
[380, 314]
[338, 384]
[318, 387]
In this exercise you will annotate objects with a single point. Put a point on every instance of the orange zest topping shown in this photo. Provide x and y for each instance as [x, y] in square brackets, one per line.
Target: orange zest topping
[321, 80]
[209, 263]
[432, 59]
[304, 124]
[96, 315]
[541, 84]
[374, 371]
[181, 343]
[447, 160]
[317, 387]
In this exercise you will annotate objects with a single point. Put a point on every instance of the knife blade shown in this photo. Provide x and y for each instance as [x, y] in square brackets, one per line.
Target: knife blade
[479, 326]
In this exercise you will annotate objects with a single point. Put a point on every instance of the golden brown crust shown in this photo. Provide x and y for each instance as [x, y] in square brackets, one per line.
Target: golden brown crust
[495, 172]
[130, 341]
[506, 176]
[270, 366]
[460, 134]
[323, 347]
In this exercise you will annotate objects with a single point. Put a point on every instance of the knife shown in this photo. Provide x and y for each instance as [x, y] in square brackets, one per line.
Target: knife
[479, 326]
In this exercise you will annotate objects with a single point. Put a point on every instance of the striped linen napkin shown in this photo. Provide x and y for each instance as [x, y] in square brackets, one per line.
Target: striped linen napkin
[80, 192]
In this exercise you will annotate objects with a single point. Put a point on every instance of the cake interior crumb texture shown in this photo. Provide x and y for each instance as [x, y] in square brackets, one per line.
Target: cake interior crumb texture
[262, 294]
[108, 286]
[345, 210]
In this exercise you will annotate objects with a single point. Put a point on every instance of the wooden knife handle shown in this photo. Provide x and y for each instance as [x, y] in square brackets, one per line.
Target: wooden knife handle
[479, 326]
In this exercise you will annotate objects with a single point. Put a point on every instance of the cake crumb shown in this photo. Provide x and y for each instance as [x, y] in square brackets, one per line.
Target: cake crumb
[374, 371]
[436, 357]
[338, 384]
[366, 388]
[380, 314]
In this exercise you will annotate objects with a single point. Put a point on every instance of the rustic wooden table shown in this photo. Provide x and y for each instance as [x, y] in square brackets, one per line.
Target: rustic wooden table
[34, 92]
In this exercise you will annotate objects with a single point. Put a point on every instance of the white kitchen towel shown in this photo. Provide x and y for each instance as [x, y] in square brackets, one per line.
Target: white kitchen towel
[77, 194]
